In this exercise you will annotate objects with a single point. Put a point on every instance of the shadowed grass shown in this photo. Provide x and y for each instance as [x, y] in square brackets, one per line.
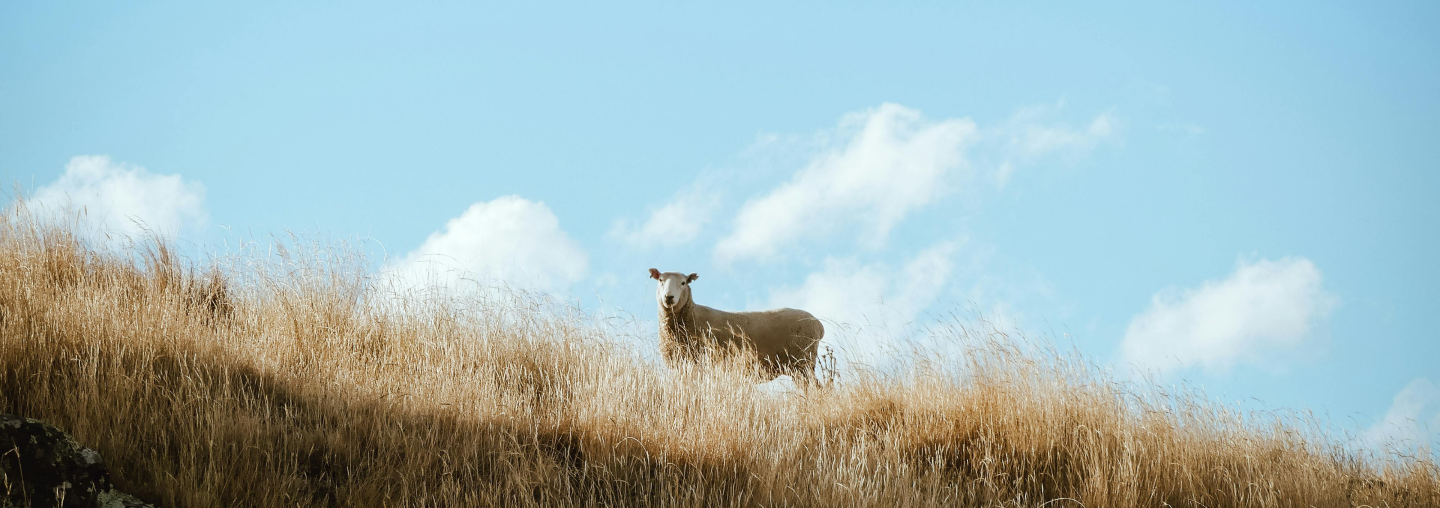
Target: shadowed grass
[293, 379]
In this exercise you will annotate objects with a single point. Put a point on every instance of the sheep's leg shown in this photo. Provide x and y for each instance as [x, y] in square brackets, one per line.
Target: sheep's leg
[799, 369]
[804, 379]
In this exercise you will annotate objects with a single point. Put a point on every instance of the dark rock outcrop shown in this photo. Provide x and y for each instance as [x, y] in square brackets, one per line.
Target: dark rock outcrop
[40, 466]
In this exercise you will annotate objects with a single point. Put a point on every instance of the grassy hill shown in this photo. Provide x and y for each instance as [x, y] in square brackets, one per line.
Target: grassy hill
[283, 378]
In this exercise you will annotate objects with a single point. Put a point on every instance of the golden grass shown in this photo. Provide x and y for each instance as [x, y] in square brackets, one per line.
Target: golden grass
[277, 378]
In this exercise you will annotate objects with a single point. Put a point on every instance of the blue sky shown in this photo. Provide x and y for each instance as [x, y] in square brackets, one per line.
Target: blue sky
[1234, 195]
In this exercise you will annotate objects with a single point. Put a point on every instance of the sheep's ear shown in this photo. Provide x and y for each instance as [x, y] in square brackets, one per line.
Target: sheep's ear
[655, 274]
[692, 277]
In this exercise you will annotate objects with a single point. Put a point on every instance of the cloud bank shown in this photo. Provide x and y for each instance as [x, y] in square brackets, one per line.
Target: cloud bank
[1262, 308]
[509, 240]
[123, 198]
[887, 162]
[881, 165]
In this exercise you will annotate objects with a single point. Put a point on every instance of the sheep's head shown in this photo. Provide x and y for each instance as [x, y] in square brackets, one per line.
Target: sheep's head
[673, 290]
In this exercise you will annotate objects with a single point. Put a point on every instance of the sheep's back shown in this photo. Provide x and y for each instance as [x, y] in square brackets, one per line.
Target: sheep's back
[791, 332]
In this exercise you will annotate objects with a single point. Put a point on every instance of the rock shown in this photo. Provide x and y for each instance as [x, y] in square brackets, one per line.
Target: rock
[40, 466]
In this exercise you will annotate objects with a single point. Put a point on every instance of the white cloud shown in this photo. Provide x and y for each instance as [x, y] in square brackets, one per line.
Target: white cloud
[123, 198]
[1034, 133]
[509, 240]
[879, 166]
[1412, 421]
[873, 302]
[888, 162]
[1261, 308]
[677, 222]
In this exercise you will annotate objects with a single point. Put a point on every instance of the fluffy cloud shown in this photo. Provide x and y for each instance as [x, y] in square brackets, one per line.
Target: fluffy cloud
[1262, 307]
[881, 165]
[509, 240]
[871, 301]
[1412, 421]
[677, 222]
[886, 163]
[123, 198]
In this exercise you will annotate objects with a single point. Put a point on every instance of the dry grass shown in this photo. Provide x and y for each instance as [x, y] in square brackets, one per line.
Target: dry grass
[284, 379]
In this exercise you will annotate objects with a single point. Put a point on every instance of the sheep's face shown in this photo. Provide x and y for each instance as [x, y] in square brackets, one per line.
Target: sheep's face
[673, 288]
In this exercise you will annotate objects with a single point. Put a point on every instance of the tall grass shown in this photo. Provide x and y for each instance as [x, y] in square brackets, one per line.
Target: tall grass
[291, 378]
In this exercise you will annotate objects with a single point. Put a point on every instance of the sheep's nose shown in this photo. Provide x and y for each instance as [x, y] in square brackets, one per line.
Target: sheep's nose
[669, 299]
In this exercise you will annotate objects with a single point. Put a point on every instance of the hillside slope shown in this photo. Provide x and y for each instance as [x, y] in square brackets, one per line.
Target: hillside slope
[279, 378]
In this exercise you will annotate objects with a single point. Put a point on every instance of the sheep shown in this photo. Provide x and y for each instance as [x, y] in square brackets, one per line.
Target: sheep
[785, 340]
